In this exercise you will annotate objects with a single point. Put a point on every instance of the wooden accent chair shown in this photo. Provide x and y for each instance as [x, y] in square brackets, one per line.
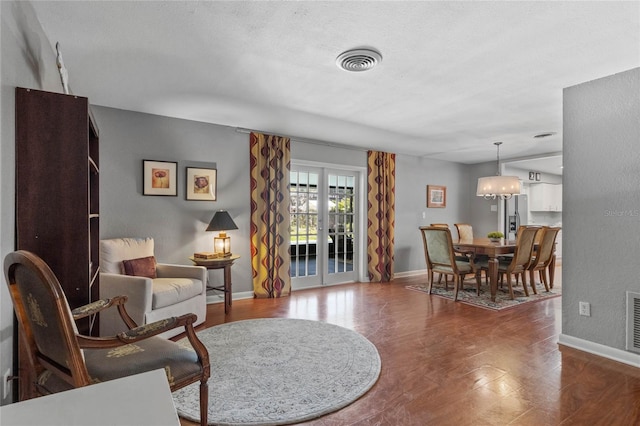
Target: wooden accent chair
[439, 255]
[518, 264]
[543, 256]
[465, 231]
[63, 359]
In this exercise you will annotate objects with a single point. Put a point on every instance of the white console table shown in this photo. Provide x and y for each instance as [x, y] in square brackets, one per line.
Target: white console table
[141, 400]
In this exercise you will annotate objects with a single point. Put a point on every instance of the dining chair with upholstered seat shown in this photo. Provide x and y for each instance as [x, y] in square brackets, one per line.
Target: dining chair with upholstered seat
[465, 231]
[459, 255]
[62, 359]
[543, 256]
[440, 258]
[518, 264]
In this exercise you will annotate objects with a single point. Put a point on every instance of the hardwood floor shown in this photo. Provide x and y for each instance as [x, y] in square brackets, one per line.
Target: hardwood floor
[446, 363]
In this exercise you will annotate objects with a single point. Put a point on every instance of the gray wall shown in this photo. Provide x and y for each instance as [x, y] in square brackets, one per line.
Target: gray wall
[28, 60]
[176, 224]
[601, 176]
[413, 174]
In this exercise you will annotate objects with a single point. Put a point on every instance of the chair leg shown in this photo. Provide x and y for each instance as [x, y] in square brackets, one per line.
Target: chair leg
[204, 403]
[544, 279]
[458, 284]
[478, 281]
[510, 287]
[430, 280]
[524, 283]
[533, 281]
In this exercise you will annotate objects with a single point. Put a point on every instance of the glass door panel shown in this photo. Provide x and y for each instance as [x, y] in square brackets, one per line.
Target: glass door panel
[341, 227]
[304, 223]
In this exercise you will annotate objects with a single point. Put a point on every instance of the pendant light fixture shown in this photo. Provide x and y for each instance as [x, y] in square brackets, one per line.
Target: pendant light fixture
[498, 187]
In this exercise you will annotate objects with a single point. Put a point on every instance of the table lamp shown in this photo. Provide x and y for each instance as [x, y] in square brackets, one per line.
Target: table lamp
[221, 221]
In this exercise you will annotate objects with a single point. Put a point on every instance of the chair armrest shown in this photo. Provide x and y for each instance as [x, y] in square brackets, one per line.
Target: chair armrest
[165, 270]
[136, 334]
[139, 290]
[97, 306]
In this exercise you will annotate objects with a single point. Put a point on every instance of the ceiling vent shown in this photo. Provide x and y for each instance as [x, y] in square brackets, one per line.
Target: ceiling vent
[358, 60]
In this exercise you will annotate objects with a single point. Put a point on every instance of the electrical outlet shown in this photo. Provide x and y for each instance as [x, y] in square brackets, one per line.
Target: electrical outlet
[585, 309]
[6, 384]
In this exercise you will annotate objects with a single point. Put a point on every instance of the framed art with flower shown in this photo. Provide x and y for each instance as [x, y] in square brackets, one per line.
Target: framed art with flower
[201, 184]
[159, 178]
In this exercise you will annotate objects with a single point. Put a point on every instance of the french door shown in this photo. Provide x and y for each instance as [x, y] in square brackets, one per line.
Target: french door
[324, 231]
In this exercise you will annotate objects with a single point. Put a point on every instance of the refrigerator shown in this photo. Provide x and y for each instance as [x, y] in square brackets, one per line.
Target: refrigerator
[516, 214]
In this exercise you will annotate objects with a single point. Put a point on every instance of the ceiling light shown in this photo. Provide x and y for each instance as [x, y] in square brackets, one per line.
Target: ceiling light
[358, 60]
[503, 187]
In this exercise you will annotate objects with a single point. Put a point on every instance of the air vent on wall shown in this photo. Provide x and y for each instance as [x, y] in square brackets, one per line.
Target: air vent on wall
[633, 321]
[358, 60]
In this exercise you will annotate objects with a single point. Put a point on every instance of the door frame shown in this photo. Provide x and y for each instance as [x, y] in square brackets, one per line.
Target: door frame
[359, 261]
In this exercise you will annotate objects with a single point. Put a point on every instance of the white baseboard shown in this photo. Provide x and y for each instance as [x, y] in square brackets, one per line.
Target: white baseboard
[219, 298]
[409, 273]
[600, 350]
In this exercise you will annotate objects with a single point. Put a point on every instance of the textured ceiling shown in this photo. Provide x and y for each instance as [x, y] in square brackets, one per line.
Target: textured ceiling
[455, 76]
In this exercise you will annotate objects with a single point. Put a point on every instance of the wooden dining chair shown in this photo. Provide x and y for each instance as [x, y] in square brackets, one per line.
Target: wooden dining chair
[517, 265]
[62, 359]
[465, 231]
[543, 256]
[440, 258]
[459, 255]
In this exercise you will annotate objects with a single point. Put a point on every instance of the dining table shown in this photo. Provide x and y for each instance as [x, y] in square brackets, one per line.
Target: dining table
[493, 250]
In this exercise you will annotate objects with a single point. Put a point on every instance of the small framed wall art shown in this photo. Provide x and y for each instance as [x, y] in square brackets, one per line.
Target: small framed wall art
[159, 178]
[201, 184]
[436, 196]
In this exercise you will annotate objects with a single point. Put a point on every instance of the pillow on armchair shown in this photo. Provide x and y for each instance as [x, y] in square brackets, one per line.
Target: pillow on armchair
[113, 252]
[141, 267]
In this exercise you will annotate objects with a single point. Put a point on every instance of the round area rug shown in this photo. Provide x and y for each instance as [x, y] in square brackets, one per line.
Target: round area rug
[276, 371]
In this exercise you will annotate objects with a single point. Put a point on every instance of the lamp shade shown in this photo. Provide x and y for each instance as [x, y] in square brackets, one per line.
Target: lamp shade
[498, 186]
[221, 221]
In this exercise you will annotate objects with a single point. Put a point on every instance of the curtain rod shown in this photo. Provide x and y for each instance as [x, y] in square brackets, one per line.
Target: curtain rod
[305, 140]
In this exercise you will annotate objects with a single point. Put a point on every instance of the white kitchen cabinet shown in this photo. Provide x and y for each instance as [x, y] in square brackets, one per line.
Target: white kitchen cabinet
[545, 197]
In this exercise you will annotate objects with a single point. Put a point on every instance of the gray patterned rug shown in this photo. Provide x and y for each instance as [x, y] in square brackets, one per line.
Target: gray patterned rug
[276, 371]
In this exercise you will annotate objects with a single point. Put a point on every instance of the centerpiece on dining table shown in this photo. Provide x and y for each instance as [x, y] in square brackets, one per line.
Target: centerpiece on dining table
[495, 236]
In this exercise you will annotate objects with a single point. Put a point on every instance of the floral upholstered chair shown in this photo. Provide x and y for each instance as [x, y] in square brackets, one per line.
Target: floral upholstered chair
[155, 290]
[62, 359]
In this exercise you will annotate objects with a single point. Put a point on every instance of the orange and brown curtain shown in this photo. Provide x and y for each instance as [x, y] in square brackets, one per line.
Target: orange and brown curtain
[381, 200]
[270, 165]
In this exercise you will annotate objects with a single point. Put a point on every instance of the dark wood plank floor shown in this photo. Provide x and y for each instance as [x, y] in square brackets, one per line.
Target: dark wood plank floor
[446, 363]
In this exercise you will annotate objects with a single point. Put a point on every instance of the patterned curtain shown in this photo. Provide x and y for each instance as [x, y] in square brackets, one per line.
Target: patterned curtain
[381, 201]
[270, 260]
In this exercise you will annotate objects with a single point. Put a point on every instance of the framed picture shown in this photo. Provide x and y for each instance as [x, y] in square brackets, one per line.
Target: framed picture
[537, 176]
[436, 196]
[532, 175]
[201, 184]
[159, 178]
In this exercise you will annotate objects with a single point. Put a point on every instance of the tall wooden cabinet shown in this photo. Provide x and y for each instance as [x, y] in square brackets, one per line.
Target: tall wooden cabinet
[57, 200]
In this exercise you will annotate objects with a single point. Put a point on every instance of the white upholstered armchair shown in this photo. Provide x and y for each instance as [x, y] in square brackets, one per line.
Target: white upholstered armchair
[155, 290]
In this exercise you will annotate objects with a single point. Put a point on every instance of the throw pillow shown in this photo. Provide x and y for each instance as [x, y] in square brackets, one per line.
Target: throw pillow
[141, 267]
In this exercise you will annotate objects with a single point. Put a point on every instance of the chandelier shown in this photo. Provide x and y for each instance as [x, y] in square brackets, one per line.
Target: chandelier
[498, 187]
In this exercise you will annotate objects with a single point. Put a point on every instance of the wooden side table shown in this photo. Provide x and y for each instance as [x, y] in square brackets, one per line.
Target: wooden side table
[220, 263]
